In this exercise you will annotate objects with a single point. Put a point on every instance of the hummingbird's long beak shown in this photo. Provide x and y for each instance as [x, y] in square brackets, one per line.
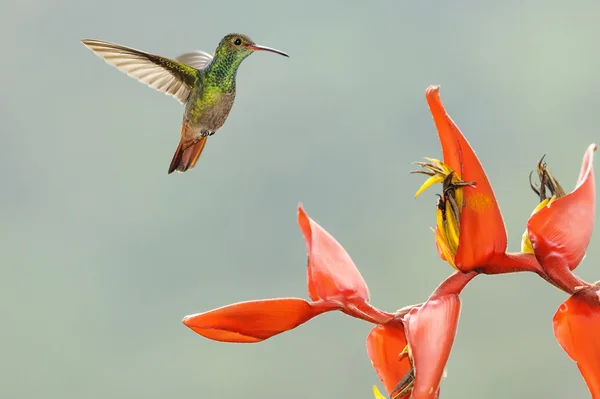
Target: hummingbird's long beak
[257, 47]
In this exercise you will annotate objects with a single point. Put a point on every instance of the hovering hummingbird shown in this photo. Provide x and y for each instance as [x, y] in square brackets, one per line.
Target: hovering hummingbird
[204, 83]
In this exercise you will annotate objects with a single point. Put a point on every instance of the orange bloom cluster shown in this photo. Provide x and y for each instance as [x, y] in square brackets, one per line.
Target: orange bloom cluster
[409, 348]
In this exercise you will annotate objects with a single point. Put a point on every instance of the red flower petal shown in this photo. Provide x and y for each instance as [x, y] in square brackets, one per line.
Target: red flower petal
[577, 329]
[482, 231]
[430, 331]
[561, 233]
[332, 275]
[254, 321]
[384, 345]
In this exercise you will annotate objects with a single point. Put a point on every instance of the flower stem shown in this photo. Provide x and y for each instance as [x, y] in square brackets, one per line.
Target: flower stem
[506, 263]
[566, 280]
[454, 284]
[367, 312]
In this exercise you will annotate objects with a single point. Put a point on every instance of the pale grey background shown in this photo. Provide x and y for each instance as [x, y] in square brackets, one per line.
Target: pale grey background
[103, 253]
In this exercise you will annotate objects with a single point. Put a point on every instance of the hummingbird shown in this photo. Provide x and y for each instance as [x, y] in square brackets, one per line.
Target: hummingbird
[204, 83]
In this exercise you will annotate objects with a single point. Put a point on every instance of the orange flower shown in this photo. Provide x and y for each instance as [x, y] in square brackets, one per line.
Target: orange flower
[470, 232]
[409, 349]
[558, 234]
[577, 329]
[334, 283]
[560, 228]
[410, 352]
[470, 229]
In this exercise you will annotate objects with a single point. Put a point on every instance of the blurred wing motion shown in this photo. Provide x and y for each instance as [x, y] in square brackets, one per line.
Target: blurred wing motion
[195, 59]
[163, 74]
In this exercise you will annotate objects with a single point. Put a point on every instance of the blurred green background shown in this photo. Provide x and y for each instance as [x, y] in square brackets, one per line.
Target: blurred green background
[103, 253]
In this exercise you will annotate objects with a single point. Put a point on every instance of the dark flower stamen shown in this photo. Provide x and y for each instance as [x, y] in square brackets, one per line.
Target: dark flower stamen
[547, 182]
[448, 187]
[405, 385]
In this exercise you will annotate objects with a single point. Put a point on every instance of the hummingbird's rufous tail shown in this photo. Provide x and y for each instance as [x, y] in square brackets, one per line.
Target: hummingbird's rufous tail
[186, 157]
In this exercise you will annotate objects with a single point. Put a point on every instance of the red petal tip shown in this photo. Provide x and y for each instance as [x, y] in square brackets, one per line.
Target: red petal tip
[432, 89]
[301, 208]
[332, 275]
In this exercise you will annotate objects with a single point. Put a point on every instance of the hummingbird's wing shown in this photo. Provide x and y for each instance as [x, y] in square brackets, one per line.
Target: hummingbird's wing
[163, 74]
[196, 59]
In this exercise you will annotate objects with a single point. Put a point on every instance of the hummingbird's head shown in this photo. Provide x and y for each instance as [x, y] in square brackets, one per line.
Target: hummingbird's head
[242, 46]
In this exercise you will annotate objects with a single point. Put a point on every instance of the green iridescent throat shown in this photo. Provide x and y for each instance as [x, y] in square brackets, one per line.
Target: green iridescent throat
[220, 74]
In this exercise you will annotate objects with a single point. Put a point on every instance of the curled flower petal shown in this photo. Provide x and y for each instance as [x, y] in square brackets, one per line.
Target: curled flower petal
[254, 321]
[430, 330]
[385, 344]
[561, 231]
[482, 231]
[332, 275]
[577, 330]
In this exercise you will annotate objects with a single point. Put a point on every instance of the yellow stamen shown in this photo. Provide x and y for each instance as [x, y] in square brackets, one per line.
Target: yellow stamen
[449, 205]
[437, 171]
[547, 202]
[452, 228]
[526, 246]
[377, 394]
[405, 351]
[435, 179]
[448, 254]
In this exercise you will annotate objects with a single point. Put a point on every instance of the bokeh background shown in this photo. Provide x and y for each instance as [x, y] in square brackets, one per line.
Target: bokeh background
[102, 253]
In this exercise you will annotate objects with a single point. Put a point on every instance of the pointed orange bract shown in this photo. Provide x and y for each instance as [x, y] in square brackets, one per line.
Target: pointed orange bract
[254, 321]
[430, 330]
[560, 232]
[384, 345]
[577, 329]
[334, 283]
[332, 275]
[482, 230]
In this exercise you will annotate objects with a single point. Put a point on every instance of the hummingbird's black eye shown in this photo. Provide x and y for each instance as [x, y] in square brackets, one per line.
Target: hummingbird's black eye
[237, 41]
